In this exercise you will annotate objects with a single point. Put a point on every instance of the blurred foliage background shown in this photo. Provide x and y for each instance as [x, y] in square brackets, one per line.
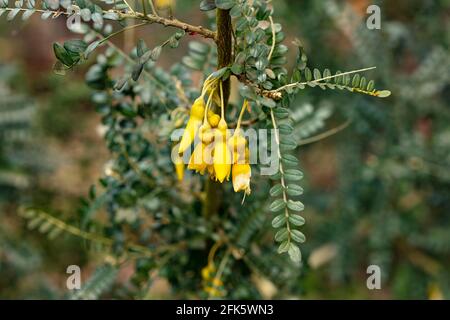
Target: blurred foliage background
[376, 192]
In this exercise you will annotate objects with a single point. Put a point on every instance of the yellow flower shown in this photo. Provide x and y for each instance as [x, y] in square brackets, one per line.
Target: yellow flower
[222, 154]
[194, 122]
[206, 134]
[200, 158]
[213, 119]
[241, 177]
[238, 145]
[179, 167]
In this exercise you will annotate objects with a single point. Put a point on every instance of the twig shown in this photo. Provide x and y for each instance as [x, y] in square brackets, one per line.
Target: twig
[171, 23]
[290, 85]
[272, 48]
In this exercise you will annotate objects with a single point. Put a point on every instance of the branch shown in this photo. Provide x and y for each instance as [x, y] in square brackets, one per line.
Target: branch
[193, 30]
[152, 18]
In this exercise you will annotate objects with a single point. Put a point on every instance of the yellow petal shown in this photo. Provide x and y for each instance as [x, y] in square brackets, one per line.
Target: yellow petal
[200, 158]
[213, 120]
[189, 133]
[179, 167]
[198, 108]
[241, 177]
[222, 160]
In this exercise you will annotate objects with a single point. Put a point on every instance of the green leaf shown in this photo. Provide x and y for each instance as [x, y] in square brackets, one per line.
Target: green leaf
[225, 4]
[62, 55]
[327, 73]
[289, 160]
[356, 80]
[293, 175]
[276, 190]
[236, 11]
[247, 92]
[137, 70]
[141, 48]
[269, 103]
[383, 93]
[27, 14]
[278, 221]
[207, 5]
[288, 144]
[294, 252]
[277, 205]
[75, 46]
[285, 128]
[12, 14]
[91, 48]
[237, 68]
[219, 73]
[296, 220]
[281, 113]
[371, 86]
[284, 247]
[281, 235]
[308, 74]
[298, 236]
[294, 190]
[121, 83]
[363, 83]
[295, 205]
[317, 74]
[156, 52]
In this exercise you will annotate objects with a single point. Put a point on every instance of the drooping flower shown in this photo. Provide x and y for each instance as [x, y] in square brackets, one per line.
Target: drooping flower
[201, 158]
[238, 146]
[222, 154]
[179, 167]
[241, 177]
[213, 119]
[194, 122]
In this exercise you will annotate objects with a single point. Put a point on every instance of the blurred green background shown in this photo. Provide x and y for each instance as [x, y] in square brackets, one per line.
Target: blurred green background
[376, 192]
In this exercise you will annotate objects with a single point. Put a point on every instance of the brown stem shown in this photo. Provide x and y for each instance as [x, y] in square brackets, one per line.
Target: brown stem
[171, 23]
[224, 43]
[224, 46]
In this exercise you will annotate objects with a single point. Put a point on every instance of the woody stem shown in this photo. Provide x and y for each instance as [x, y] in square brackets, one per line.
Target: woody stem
[224, 58]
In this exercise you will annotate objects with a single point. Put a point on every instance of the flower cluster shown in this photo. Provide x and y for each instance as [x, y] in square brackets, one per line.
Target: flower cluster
[217, 153]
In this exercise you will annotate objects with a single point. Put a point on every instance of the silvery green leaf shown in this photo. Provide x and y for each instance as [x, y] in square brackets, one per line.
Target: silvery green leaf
[276, 190]
[294, 190]
[284, 247]
[294, 253]
[278, 221]
[298, 236]
[12, 14]
[97, 18]
[277, 205]
[296, 220]
[85, 14]
[46, 15]
[91, 48]
[27, 14]
[111, 15]
[65, 3]
[281, 235]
